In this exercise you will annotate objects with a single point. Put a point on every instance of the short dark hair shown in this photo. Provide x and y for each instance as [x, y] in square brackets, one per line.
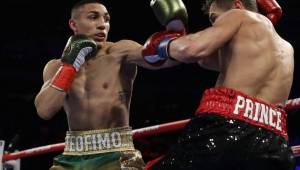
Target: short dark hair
[79, 4]
[226, 4]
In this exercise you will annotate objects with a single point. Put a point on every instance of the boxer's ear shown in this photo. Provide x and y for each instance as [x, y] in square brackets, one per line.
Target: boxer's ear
[237, 4]
[72, 25]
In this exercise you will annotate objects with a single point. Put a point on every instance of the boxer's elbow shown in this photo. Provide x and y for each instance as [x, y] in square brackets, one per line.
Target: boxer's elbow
[45, 111]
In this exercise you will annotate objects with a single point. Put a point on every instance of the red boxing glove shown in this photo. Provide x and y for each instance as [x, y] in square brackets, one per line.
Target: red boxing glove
[271, 9]
[155, 51]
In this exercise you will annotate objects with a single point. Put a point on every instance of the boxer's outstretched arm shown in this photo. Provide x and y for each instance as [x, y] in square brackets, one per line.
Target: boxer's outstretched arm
[49, 100]
[195, 47]
[133, 55]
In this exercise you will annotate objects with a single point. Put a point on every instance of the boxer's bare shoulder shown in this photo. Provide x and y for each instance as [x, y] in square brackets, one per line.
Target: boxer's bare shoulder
[51, 68]
[124, 46]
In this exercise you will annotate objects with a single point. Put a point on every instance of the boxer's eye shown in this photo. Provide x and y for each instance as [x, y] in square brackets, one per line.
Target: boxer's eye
[93, 17]
[107, 18]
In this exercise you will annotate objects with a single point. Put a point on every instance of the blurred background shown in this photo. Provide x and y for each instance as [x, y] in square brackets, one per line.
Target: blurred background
[34, 32]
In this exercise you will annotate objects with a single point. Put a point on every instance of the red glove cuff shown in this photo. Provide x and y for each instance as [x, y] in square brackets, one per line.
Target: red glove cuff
[64, 77]
[271, 9]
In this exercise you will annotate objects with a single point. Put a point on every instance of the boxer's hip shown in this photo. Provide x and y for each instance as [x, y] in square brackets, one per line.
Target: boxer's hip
[103, 149]
[212, 138]
[232, 104]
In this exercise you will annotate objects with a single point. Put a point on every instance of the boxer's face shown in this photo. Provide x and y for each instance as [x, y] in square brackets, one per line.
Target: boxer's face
[92, 20]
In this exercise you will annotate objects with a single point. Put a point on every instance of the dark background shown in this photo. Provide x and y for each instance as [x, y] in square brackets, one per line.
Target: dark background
[33, 32]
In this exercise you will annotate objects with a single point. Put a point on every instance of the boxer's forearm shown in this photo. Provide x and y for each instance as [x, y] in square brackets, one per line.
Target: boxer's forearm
[185, 49]
[135, 57]
[49, 101]
[203, 44]
[197, 46]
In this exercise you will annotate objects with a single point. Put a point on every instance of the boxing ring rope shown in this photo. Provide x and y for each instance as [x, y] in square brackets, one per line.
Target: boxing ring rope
[137, 133]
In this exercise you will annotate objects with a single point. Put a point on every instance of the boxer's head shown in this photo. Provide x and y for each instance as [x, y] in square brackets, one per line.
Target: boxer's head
[219, 6]
[91, 18]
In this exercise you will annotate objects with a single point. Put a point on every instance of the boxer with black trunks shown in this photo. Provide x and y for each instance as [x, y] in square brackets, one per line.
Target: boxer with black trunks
[239, 123]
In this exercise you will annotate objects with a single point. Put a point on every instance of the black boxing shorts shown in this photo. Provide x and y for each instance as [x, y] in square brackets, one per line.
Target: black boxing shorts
[231, 131]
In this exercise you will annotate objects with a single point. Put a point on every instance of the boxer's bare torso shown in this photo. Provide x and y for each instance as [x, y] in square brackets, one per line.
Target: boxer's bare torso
[101, 91]
[245, 48]
[257, 61]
